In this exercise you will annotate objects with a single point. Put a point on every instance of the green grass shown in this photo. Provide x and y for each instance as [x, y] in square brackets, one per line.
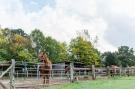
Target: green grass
[113, 83]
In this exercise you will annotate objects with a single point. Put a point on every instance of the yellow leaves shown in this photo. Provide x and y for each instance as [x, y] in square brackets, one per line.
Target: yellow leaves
[18, 42]
[19, 39]
[25, 55]
[1, 32]
[3, 40]
[82, 50]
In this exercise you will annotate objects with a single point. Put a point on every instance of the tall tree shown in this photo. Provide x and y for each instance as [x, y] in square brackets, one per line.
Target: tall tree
[38, 39]
[15, 43]
[126, 56]
[4, 44]
[56, 51]
[110, 58]
[63, 52]
[83, 51]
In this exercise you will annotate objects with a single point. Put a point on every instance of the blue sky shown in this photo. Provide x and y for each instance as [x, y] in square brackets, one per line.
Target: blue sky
[113, 21]
[36, 5]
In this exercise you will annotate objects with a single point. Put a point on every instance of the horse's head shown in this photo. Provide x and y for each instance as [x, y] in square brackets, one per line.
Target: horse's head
[42, 57]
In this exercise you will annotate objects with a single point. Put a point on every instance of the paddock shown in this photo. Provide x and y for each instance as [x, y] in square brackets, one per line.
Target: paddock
[26, 75]
[111, 83]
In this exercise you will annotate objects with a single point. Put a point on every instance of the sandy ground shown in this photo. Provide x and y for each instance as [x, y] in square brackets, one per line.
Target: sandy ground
[33, 83]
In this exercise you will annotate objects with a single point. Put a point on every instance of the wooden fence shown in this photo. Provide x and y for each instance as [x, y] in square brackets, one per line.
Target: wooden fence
[11, 74]
[24, 75]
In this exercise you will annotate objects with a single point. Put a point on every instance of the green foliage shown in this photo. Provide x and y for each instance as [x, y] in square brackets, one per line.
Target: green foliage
[126, 56]
[12, 43]
[56, 51]
[24, 55]
[16, 44]
[52, 48]
[110, 58]
[83, 51]
[63, 52]
[39, 40]
[4, 55]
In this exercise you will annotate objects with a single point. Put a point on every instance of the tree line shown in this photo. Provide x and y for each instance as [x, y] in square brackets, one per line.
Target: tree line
[18, 45]
[123, 57]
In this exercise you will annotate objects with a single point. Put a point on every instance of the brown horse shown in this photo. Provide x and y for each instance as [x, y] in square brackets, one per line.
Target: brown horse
[45, 67]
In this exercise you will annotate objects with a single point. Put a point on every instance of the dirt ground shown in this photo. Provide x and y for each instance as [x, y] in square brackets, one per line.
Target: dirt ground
[33, 83]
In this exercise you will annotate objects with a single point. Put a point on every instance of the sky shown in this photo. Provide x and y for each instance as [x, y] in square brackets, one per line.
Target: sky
[113, 21]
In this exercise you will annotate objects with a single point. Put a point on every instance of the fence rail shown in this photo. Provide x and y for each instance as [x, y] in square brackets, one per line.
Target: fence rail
[11, 71]
[30, 74]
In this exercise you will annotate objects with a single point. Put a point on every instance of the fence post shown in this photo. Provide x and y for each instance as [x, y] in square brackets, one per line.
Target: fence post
[108, 71]
[120, 70]
[128, 71]
[38, 75]
[71, 72]
[93, 72]
[2, 85]
[12, 71]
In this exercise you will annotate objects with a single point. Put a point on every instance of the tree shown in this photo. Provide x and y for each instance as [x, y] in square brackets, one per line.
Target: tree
[13, 43]
[85, 35]
[4, 44]
[52, 49]
[38, 39]
[19, 32]
[63, 52]
[83, 51]
[55, 50]
[20, 44]
[110, 58]
[126, 56]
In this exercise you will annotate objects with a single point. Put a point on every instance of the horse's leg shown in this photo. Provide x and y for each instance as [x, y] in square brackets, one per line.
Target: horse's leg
[47, 79]
[44, 80]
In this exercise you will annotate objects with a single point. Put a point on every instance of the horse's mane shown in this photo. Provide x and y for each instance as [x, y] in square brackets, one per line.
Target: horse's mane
[46, 59]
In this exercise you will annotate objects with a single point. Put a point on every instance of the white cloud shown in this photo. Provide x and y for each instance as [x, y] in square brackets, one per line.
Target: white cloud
[123, 7]
[61, 21]
[13, 15]
[120, 18]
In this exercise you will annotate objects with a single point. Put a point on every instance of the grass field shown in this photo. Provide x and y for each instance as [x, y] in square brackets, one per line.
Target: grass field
[113, 83]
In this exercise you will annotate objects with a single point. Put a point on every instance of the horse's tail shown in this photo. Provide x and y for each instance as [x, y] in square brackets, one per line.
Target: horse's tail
[67, 69]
